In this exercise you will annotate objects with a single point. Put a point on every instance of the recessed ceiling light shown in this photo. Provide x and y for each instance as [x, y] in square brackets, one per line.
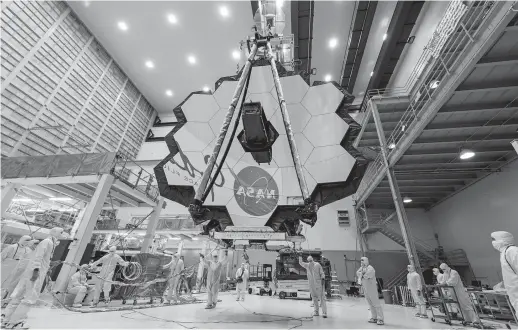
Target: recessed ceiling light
[123, 26]
[407, 200]
[236, 55]
[223, 11]
[191, 59]
[206, 88]
[279, 3]
[169, 92]
[172, 19]
[384, 37]
[333, 42]
[466, 154]
[150, 64]
[327, 77]
[87, 3]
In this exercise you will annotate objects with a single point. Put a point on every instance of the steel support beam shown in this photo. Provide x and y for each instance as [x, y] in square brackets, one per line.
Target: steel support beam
[491, 29]
[85, 105]
[53, 180]
[85, 228]
[34, 49]
[112, 110]
[129, 122]
[147, 245]
[41, 110]
[8, 193]
[396, 195]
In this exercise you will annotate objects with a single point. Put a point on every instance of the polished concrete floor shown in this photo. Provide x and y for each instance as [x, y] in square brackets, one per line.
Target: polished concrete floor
[256, 312]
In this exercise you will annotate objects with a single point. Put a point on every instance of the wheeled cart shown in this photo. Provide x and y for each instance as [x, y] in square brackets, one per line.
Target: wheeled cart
[444, 304]
[493, 305]
[151, 270]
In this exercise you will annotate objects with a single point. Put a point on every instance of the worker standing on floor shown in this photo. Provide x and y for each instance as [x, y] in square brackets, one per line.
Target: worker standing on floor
[416, 288]
[452, 278]
[105, 276]
[367, 279]
[14, 261]
[241, 282]
[316, 279]
[503, 242]
[176, 266]
[28, 290]
[213, 277]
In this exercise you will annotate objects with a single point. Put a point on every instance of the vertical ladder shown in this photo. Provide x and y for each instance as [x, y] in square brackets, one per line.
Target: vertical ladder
[335, 286]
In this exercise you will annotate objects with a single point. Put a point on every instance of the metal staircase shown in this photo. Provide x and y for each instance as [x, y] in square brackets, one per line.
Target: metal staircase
[335, 286]
[422, 251]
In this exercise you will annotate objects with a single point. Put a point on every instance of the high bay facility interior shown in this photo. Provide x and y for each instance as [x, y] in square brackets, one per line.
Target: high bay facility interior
[191, 140]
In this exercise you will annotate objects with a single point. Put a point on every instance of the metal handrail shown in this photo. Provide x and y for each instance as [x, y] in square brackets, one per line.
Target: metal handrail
[436, 63]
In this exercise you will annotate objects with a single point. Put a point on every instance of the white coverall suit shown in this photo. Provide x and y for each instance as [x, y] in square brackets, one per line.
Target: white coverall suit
[452, 278]
[80, 288]
[416, 288]
[367, 279]
[241, 288]
[316, 276]
[504, 243]
[213, 280]
[27, 292]
[109, 263]
[176, 265]
[15, 259]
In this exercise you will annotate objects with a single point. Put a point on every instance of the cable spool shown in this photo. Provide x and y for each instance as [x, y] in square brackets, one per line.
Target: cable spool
[136, 271]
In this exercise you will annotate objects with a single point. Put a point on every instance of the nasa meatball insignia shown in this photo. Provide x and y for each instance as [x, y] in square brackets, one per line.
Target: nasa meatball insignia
[255, 191]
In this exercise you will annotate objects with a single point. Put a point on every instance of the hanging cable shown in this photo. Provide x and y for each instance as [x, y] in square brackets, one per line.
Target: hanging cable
[229, 144]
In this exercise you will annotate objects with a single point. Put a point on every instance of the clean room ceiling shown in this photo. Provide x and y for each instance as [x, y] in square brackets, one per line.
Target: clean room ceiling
[153, 40]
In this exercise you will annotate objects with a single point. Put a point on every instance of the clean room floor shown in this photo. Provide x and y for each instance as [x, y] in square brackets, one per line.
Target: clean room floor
[229, 314]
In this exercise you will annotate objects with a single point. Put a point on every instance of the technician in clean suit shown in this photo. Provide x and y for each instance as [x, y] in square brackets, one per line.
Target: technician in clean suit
[452, 278]
[213, 277]
[241, 282]
[316, 279]
[176, 265]
[504, 243]
[438, 275]
[28, 290]
[105, 276]
[415, 285]
[14, 260]
[367, 279]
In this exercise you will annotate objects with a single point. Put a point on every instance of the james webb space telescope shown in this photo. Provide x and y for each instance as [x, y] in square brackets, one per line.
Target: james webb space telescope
[255, 191]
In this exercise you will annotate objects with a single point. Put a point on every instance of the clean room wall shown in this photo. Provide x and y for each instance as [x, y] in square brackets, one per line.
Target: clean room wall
[467, 219]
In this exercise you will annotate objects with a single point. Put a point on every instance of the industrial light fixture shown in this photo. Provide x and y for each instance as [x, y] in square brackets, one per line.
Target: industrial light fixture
[327, 77]
[407, 200]
[21, 200]
[372, 72]
[206, 89]
[333, 42]
[384, 37]
[172, 19]
[62, 199]
[123, 26]
[466, 154]
[279, 3]
[434, 84]
[236, 55]
[223, 11]
[150, 64]
[169, 92]
[392, 146]
[191, 59]
[87, 3]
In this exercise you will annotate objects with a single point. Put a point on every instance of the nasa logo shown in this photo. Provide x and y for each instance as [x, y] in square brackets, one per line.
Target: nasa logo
[255, 191]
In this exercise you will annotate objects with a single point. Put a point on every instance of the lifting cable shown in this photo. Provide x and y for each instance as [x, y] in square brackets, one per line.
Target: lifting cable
[229, 144]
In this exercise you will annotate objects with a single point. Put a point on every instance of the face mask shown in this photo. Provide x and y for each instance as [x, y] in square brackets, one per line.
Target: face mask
[498, 245]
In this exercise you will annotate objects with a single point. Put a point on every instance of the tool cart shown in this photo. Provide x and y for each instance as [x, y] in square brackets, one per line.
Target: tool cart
[444, 304]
